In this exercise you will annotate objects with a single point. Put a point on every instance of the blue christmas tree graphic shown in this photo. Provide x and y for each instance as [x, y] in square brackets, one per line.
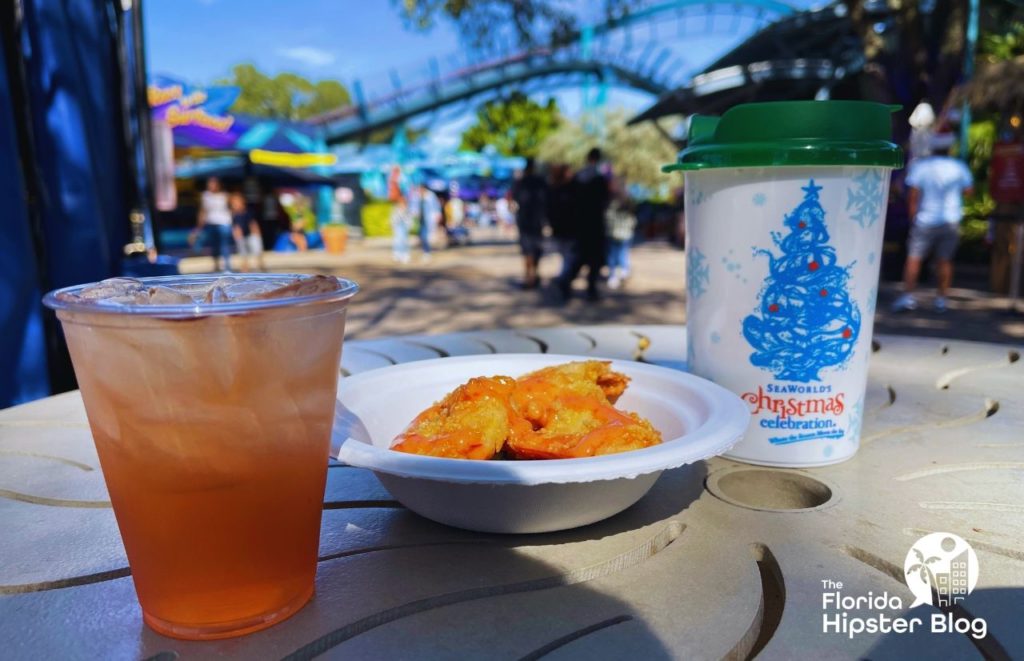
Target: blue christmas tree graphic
[806, 320]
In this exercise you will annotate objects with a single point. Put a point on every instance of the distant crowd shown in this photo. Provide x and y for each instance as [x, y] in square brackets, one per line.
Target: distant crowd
[588, 215]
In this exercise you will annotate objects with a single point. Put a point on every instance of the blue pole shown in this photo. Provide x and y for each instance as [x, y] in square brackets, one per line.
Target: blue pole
[969, 50]
[586, 47]
[357, 92]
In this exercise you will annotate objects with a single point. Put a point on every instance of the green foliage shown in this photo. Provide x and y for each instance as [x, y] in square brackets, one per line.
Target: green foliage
[384, 136]
[284, 96]
[300, 212]
[973, 230]
[515, 126]
[981, 136]
[482, 23]
[376, 219]
[326, 95]
[635, 152]
[1002, 46]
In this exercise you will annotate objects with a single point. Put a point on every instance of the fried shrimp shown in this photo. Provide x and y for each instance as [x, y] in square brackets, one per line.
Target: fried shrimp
[471, 422]
[559, 412]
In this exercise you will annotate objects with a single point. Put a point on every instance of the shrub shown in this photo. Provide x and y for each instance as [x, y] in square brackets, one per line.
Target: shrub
[376, 218]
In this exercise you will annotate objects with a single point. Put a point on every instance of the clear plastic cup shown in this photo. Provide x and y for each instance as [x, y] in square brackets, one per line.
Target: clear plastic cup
[212, 422]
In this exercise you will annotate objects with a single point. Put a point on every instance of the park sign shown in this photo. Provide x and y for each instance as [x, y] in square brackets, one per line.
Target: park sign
[198, 117]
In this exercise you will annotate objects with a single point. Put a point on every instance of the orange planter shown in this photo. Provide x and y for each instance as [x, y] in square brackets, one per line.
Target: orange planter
[335, 237]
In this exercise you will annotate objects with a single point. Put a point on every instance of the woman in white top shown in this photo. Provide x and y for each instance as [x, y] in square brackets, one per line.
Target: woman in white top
[215, 222]
[504, 212]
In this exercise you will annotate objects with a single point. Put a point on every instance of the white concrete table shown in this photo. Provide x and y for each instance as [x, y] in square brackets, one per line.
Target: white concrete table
[719, 560]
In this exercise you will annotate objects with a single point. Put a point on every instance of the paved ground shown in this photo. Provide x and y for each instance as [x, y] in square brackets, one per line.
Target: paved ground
[477, 288]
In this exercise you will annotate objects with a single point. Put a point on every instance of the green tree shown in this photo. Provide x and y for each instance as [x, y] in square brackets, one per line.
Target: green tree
[485, 22]
[635, 152]
[1001, 42]
[284, 96]
[514, 126]
[326, 95]
[1002, 45]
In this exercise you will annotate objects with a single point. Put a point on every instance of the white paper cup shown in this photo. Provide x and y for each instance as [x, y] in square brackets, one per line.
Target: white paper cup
[782, 277]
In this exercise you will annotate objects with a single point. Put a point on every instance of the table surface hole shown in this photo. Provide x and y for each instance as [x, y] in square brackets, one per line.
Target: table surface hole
[771, 490]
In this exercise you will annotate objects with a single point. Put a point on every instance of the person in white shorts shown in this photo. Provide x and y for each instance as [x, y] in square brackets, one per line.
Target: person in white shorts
[937, 186]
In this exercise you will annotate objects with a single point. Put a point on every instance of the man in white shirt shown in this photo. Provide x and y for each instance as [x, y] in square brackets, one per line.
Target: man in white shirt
[937, 185]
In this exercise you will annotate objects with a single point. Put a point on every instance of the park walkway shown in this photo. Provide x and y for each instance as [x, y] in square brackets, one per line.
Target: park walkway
[476, 287]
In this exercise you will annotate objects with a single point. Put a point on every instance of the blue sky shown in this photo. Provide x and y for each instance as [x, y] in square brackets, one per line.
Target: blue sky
[200, 40]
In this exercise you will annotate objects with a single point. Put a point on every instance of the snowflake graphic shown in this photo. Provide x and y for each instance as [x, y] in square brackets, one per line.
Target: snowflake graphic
[856, 420]
[734, 267]
[760, 199]
[697, 197]
[864, 197]
[715, 337]
[697, 273]
[869, 309]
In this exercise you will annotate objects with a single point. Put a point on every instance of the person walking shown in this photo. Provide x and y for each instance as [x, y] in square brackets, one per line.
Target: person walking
[621, 225]
[455, 218]
[246, 231]
[401, 223]
[504, 213]
[485, 217]
[559, 213]
[530, 194]
[429, 217]
[590, 200]
[395, 184]
[214, 222]
[937, 185]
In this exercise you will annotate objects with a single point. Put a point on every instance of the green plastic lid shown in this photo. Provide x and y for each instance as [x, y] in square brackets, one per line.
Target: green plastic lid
[792, 133]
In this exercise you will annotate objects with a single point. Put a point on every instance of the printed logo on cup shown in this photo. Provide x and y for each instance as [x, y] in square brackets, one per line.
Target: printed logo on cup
[782, 278]
[941, 569]
[806, 323]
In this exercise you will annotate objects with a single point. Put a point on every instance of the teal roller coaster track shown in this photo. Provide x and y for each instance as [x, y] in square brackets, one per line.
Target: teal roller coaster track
[590, 56]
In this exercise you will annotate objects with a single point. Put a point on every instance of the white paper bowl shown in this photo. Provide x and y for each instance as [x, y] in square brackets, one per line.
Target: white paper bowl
[697, 419]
